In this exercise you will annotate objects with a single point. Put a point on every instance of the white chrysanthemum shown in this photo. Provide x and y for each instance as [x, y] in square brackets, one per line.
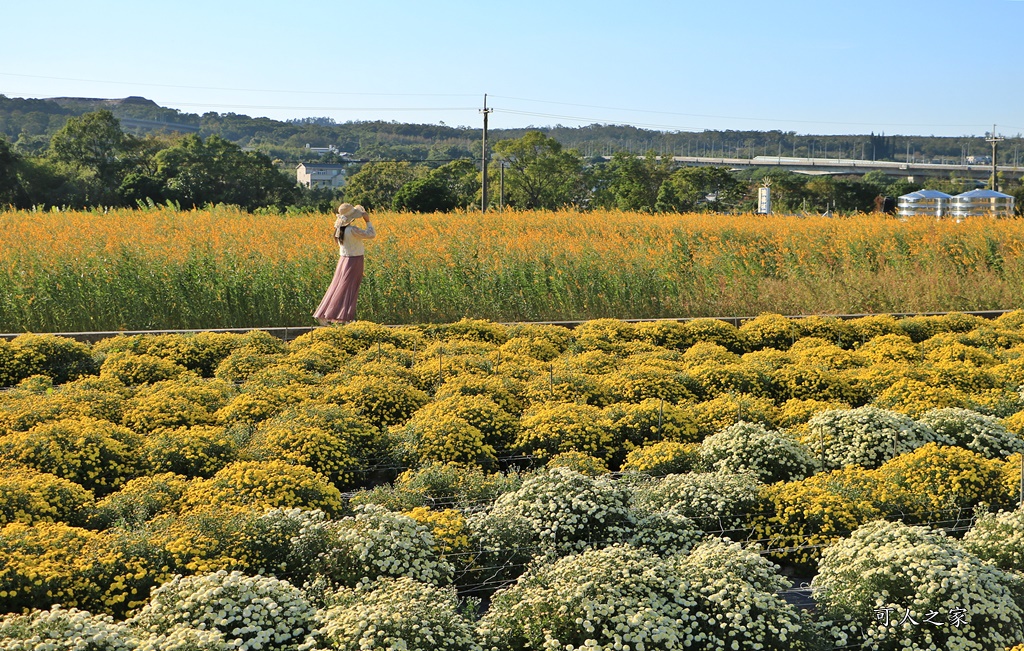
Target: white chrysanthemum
[866, 436]
[771, 455]
[252, 612]
[60, 629]
[976, 432]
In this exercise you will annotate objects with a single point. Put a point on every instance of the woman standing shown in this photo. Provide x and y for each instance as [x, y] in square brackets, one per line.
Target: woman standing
[339, 304]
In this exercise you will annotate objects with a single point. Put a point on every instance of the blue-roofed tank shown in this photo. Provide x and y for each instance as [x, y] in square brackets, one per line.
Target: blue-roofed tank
[981, 203]
[924, 203]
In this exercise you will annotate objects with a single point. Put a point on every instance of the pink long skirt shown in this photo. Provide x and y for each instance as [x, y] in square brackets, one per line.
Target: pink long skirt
[339, 302]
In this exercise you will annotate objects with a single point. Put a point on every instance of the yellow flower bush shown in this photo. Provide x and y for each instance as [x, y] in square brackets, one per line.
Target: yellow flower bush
[891, 348]
[508, 393]
[469, 330]
[579, 462]
[96, 454]
[319, 357]
[804, 517]
[716, 332]
[608, 335]
[243, 362]
[140, 500]
[769, 331]
[198, 451]
[592, 362]
[820, 352]
[832, 329]
[712, 380]
[30, 496]
[498, 426]
[538, 348]
[728, 409]
[131, 369]
[812, 382]
[382, 401]
[915, 397]
[451, 535]
[182, 402]
[201, 352]
[669, 334]
[637, 383]
[551, 428]
[315, 448]
[707, 352]
[257, 403]
[447, 438]
[559, 336]
[946, 479]
[59, 358]
[868, 327]
[649, 421]
[663, 458]
[265, 484]
[565, 385]
[795, 412]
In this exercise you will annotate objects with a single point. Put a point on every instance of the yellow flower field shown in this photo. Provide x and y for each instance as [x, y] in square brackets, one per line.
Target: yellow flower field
[162, 268]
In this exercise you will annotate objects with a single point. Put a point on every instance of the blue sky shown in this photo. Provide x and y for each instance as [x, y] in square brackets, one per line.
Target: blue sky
[942, 67]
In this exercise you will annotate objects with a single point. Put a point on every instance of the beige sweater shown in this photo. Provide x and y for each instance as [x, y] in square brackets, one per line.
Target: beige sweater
[352, 245]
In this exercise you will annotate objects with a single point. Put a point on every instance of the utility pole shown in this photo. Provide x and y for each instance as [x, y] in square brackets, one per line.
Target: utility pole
[995, 140]
[483, 194]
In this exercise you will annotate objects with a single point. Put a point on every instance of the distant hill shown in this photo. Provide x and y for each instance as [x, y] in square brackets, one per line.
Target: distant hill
[29, 123]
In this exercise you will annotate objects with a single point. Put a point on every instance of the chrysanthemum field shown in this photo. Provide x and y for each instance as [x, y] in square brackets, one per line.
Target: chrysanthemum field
[474, 485]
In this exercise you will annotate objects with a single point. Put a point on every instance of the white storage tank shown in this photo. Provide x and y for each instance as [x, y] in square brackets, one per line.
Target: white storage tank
[927, 203]
[981, 203]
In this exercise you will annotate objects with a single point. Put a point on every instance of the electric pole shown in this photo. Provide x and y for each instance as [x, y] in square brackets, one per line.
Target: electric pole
[995, 140]
[483, 194]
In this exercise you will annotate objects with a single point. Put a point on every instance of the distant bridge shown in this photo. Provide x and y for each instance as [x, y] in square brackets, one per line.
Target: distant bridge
[847, 166]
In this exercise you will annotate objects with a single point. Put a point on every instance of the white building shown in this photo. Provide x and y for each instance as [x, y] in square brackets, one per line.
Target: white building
[320, 175]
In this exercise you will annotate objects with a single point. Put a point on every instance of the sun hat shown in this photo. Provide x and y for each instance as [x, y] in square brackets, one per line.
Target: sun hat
[347, 213]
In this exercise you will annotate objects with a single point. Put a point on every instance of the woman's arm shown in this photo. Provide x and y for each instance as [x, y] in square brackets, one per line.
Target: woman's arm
[364, 234]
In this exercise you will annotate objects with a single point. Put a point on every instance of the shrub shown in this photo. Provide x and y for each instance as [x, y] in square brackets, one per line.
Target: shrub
[438, 485]
[382, 401]
[868, 327]
[725, 410]
[832, 329]
[579, 462]
[804, 382]
[669, 334]
[891, 348]
[558, 336]
[254, 612]
[638, 383]
[717, 502]
[190, 451]
[998, 538]
[795, 412]
[663, 458]
[942, 479]
[569, 512]
[176, 403]
[709, 353]
[566, 386]
[712, 380]
[265, 484]
[329, 453]
[498, 427]
[651, 421]
[243, 362]
[257, 403]
[976, 432]
[825, 354]
[59, 358]
[131, 369]
[716, 332]
[396, 614]
[886, 570]
[469, 329]
[914, 397]
[30, 496]
[140, 500]
[604, 334]
[769, 331]
[769, 454]
[97, 454]
[539, 349]
[374, 544]
[866, 436]
[185, 638]
[806, 516]
[566, 427]
[320, 357]
[507, 393]
[60, 629]
[448, 438]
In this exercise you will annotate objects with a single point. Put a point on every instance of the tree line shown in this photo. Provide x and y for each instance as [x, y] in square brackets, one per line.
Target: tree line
[91, 161]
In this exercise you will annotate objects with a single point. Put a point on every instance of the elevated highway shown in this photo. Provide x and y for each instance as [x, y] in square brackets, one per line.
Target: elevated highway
[846, 166]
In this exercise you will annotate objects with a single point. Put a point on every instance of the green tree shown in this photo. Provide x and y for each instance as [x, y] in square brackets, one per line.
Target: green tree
[632, 182]
[197, 172]
[11, 191]
[375, 185]
[699, 189]
[540, 174]
[93, 146]
[444, 189]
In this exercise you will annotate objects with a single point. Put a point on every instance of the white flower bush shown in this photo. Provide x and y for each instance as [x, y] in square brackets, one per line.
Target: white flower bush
[976, 432]
[185, 638]
[396, 614]
[621, 597]
[569, 512]
[771, 455]
[373, 544]
[716, 501]
[252, 612]
[665, 533]
[887, 574]
[866, 436]
[998, 538]
[60, 629]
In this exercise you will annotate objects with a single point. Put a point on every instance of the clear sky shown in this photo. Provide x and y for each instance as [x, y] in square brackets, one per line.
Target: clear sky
[920, 67]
